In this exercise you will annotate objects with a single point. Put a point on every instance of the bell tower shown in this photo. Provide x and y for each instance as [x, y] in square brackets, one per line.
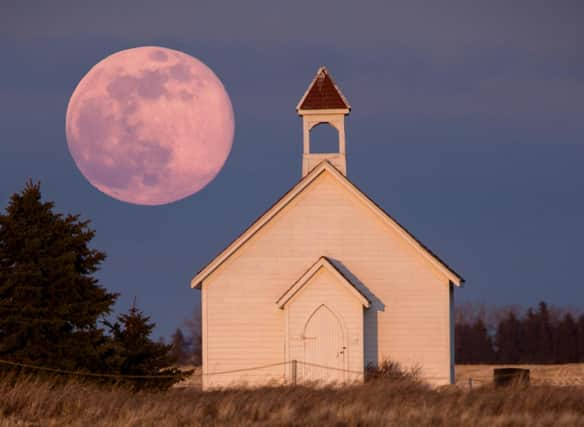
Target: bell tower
[323, 102]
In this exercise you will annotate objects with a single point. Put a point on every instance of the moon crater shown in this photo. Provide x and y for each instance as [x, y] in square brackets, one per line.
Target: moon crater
[150, 125]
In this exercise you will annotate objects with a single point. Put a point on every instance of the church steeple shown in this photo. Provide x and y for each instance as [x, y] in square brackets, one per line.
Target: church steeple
[323, 102]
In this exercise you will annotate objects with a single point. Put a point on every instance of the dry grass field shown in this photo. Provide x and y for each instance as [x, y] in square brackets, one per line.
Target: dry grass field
[43, 402]
[555, 375]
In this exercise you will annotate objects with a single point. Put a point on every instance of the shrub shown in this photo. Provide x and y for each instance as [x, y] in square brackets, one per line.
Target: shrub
[390, 370]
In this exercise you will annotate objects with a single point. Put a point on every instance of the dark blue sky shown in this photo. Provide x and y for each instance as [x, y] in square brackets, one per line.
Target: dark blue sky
[467, 126]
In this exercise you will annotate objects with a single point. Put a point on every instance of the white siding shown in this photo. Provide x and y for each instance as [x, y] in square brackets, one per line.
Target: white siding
[408, 322]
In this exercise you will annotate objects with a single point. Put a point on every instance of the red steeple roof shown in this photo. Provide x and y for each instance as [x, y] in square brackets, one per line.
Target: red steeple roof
[323, 94]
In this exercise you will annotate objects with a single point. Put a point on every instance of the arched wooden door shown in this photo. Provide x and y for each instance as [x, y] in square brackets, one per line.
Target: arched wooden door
[324, 346]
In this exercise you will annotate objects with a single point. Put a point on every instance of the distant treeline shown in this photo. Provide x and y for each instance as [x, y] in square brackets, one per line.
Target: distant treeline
[511, 335]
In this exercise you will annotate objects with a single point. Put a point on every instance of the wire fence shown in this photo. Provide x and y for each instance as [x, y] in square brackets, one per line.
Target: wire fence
[235, 371]
[293, 363]
[296, 375]
[87, 374]
[294, 368]
[292, 376]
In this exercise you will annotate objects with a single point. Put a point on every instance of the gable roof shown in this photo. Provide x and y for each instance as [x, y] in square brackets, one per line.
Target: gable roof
[322, 263]
[325, 167]
[323, 94]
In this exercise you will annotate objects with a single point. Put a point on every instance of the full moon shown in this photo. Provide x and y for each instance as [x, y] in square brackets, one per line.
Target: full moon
[149, 125]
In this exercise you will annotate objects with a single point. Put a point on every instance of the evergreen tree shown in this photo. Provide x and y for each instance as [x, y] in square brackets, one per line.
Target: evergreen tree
[529, 337]
[545, 338]
[193, 326]
[567, 337]
[196, 349]
[482, 344]
[50, 302]
[472, 343]
[507, 339]
[180, 347]
[133, 352]
[463, 343]
[581, 338]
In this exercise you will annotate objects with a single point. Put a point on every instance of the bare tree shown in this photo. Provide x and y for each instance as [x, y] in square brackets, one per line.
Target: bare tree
[193, 328]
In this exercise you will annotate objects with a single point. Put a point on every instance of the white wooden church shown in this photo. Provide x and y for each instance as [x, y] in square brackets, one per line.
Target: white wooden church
[325, 282]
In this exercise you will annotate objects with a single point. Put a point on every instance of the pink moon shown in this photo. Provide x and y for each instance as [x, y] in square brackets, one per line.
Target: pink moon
[150, 125]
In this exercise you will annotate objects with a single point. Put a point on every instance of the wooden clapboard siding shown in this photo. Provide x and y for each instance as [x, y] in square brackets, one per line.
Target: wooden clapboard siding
[409, 318]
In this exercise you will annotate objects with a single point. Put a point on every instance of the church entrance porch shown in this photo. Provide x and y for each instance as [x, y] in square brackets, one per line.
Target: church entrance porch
[324, 327]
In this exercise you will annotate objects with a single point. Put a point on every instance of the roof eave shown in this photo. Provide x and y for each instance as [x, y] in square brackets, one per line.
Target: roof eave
[322, 262]
[266, 215]
[322, 111]
[459, 283]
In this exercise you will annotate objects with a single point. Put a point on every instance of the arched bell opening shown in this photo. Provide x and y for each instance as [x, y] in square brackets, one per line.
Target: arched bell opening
[324, 138]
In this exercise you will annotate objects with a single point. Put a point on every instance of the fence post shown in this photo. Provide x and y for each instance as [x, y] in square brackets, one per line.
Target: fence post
[294, 370]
